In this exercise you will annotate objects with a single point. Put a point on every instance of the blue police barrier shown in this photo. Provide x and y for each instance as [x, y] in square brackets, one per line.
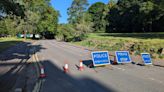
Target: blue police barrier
[146, 58]
[122, 57]
[100, 58]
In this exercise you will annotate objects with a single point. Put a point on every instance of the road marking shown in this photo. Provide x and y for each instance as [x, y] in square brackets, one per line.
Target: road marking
[37, 86]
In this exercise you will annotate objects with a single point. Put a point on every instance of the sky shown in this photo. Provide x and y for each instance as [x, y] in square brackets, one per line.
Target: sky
[63, 5]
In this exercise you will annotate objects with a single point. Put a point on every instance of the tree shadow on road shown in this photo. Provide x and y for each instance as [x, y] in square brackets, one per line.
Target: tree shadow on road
[8, 79]
[58, 81]
[21, 75]
[20, 51]
[13, 60]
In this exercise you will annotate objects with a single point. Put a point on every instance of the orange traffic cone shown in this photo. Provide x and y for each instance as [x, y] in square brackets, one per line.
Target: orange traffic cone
[115, 61]
[42, 73]
[81, 67]
[66, 68]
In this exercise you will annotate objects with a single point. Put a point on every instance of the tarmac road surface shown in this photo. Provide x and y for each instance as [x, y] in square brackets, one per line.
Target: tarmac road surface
[12, 65]
[111, 78]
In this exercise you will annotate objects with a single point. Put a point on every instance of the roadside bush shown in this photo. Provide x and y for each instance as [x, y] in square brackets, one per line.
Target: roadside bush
[65, 32]
[68, 32]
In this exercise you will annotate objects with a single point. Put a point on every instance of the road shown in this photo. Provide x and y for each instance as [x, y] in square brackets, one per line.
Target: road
[12, 62]
[112, 78]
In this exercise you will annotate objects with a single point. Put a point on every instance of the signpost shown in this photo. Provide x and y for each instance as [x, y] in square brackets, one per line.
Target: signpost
[122, 57]
[146, 58]
[100, 58]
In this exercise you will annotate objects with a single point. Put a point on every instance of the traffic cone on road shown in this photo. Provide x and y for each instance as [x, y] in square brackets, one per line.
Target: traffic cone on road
[81, 67]
[42, 73]
[65, 68]
[115, 61]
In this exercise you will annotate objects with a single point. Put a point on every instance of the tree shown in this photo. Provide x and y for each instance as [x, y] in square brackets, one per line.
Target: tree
[145, 10]
[11, 7]
[33, 16]
[65, 32]
[10, 24]
[49, 20]
[79, 19]
[41, 15]
[76, 11]
[84, 26]
[77, 32]
[3, 28]
[98, 12]
[158, 15]
[135, 16]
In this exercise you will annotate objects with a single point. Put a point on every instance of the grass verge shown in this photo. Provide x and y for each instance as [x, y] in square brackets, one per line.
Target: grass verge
[8, 42]
[136, 43]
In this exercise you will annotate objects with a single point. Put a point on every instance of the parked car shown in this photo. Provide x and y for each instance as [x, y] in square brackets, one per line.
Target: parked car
[29, 35]
[37, 36]
[47, 35]
[3, 35]
[22, 35]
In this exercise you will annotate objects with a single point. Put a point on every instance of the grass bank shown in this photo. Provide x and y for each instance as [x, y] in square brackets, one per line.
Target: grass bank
[8, 42]
[136, 43]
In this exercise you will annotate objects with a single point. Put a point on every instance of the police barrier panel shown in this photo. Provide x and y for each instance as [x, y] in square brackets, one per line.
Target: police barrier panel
[100, 58]
[123, 57]
[146, 58]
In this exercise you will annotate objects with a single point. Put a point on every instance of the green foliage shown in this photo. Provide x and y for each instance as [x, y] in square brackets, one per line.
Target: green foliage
[98, 12]
[136, 16]
[161, 56]
[77, 32]
[79, 20]
[76, 10]
[65, 32]
[10, 23]
[11, 7]
[48, 21]
[85, 25]
[34, 16]
[3, 28]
